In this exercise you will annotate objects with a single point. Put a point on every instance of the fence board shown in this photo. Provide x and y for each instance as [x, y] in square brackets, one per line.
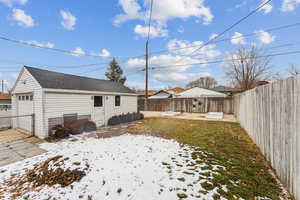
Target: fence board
[271, 116]
[191, 105]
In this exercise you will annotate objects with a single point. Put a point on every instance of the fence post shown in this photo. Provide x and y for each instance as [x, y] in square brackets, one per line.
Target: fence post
[33, 124]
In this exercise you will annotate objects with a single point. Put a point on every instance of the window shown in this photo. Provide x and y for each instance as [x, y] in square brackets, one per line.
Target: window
[23, 98]
[117, 100]
[98, 101]
[31, 98]
[27, 98]
[20, 98]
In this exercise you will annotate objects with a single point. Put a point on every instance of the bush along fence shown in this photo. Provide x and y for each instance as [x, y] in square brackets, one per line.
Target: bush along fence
[271, 115]
[191, 105]
[129, 117]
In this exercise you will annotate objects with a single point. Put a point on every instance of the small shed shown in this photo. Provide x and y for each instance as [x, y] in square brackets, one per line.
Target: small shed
[52, 98]
[198, 92]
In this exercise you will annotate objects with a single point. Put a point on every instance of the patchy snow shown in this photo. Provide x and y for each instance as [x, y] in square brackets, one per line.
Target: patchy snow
[120, 168]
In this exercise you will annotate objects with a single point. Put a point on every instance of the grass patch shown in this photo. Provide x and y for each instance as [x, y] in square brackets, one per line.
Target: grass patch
[246, 173]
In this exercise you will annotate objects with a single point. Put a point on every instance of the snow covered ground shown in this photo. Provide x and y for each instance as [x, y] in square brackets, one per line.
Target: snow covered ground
[120, 168]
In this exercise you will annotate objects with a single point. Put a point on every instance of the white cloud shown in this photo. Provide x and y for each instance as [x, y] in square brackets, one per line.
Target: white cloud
[22, 18]
[164, 10]
[131, 10]
[180, 29]
[213, 36]
[265, 37]
[190, 48]
[155, 31]
[78, 52]
[104, 53]
[68, 20]
[240, 4]
[166, 61]
[39, 44]
[238, 38]
[179, 78]
[289, 5]
[267, 8]
[10, 3]
[14, 75]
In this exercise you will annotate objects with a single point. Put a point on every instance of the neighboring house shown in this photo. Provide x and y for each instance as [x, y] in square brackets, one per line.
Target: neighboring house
[225, 90]
[175, 90]
[162, 94]
[165, 94]
[197, 92]
[5, 101]
[53, 97]
[142, 94]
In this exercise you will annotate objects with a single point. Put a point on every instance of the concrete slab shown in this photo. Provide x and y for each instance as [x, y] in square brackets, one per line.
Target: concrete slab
[16, 146]
[192, 116]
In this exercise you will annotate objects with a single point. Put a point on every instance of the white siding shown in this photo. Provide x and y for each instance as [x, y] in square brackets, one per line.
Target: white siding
[27, 84]
[128, 105]
[58, 104]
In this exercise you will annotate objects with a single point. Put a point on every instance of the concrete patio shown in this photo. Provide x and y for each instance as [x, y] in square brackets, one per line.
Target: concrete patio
[16, 145]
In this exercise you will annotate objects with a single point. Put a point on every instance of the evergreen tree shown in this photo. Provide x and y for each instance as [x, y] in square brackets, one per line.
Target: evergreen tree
[115, 72]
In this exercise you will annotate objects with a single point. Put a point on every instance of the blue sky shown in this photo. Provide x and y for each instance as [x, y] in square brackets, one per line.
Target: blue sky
[117, 28]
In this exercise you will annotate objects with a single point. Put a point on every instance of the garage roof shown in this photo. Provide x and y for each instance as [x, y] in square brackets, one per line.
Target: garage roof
[55, 80]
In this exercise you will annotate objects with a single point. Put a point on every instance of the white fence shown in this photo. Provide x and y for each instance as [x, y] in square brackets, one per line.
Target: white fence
[6, 122]
[271, 115]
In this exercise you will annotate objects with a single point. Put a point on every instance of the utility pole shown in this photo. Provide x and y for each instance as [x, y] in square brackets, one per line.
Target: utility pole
[2, 83]
[146, 77]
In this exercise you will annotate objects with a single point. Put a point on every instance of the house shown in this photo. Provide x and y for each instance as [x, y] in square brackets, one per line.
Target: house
[5, 101]
[55, 97]
[165, 94]
[225, 90]
[198, 92]
[175, 90]
[142, 94]
[162, 94]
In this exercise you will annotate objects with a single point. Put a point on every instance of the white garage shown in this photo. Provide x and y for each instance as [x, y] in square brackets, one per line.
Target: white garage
[55, 98]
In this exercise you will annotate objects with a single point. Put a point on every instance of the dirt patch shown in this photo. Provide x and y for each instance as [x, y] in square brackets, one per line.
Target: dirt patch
[49, 172]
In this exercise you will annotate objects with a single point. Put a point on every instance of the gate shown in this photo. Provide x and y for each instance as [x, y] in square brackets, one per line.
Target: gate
[14, 121]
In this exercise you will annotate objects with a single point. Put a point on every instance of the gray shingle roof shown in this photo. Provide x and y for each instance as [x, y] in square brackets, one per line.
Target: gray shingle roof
[55, 80]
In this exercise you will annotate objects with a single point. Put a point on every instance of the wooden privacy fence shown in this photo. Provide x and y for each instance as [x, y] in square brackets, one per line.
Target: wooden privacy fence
[191, 105]
[271, 116]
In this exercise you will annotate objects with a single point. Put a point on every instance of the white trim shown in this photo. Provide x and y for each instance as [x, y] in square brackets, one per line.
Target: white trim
[48, 90]
[18, 79]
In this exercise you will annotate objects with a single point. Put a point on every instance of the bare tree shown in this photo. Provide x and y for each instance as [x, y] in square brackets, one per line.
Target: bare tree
[246, 67]
[293, 70]
[203, 82]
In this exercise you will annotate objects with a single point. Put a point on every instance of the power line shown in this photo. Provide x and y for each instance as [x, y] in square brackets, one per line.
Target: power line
[221, 61]
[230, 27]
[147, 56]
[230, 38]
[55, 49]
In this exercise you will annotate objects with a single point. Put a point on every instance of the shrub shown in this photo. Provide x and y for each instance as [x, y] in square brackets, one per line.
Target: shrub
[129, 117]
[61, 131]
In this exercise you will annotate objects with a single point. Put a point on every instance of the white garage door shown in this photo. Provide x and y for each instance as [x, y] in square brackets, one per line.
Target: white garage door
[25, 107]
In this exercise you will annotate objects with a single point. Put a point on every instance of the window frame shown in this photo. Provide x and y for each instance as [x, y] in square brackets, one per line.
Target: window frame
[117, 103]
[98, 105]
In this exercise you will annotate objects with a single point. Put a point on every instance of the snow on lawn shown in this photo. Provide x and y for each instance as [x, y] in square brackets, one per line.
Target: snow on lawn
[126, 167]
